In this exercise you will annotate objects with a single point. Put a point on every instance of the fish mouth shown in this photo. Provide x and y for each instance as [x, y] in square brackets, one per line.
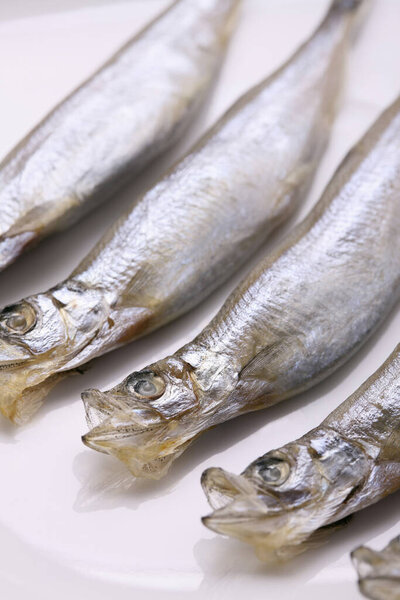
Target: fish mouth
[11, 365]
[99, 406]
[13, 356]
[133, 432]
[380, 588]
[254, 516]
[242, 512]
[20, 402]
[24, 382]
[15, 366]
[221, 487]
[378, 572]
[279, 526]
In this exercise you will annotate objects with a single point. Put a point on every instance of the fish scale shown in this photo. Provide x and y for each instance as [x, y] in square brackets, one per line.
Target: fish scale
[113, 125]
[194, 228]
[301, 313]
[350, 461]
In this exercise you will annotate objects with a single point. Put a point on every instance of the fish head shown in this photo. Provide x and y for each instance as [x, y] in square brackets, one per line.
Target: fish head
[145, 420]
[38, 337]
[378, 571]
[282, 503]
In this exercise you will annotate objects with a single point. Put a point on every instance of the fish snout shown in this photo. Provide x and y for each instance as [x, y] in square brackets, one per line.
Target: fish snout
[137, 439]
[242, 512]
[138, 431]
[97, 407]
[246, 516]
[221, 487]
[249, 519]
[100, 406]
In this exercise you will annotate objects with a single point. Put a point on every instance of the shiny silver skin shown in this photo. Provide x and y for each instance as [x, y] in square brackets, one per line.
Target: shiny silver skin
[300, 314]
[292, 498]
[131, 110]
[191, 231]
[379, 572]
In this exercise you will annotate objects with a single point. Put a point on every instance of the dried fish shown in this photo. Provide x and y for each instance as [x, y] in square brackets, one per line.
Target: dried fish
[299, 315]
[190, 232]
[131, 110]
[292, 498]
[379, 572]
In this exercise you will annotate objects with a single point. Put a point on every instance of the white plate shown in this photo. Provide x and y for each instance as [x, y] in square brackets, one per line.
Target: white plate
[72, 521]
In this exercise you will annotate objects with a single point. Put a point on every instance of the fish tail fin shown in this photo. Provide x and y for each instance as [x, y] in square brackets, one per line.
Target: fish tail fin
[355, 10]
[345, 6]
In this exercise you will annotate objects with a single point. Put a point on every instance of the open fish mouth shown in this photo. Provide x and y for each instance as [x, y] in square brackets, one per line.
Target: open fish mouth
[100, 406]
[258, 517]
[19, 395]
[243, 512]
[24, 382]
[135, 446]
[379, 571]
[19, 401]
[135, 433]
[221, 487]
[40, 337]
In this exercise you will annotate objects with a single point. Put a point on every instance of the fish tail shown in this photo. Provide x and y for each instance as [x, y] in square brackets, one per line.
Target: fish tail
[345, 6]
[354, 10]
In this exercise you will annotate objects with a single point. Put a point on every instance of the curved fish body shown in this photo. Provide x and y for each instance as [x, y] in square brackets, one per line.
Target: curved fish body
[379, 572]
[300, 314]
[290, 499]
[191, 231]
[131, 110]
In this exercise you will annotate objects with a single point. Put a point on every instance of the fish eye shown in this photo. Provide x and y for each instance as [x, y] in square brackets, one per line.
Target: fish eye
[19, 318]
[146, 384]
[274, 470]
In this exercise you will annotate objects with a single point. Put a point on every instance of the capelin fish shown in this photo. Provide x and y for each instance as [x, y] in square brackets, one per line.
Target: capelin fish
[190, 232]
[299, 315]
[379, 572]
[130, 111]
[292, 498]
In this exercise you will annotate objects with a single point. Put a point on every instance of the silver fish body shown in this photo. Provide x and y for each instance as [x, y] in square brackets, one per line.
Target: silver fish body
[191, 231]
[379, 572]
[297, 317]
[105, 132]
[290, 499]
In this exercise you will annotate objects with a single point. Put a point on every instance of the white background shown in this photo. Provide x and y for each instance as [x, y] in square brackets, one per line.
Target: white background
[73, 521]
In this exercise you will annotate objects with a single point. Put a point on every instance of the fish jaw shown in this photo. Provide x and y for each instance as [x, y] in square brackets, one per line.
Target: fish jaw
[25, 378]
[25, 381]
[243, 513]
[19, 404]
[134, 431]
[59, 325]
[381, 588]
[290, 499]
[24, 386]
[137, 439]
[221, 487]
[147, 436]
[258, 521]
[148, 420]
